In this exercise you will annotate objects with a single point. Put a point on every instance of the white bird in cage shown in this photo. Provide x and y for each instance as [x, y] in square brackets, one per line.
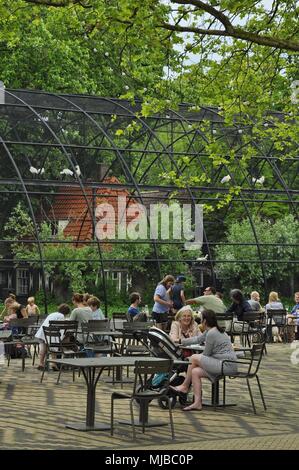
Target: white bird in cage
[34, 170]
[204, 258]
[67, 172]
[260, 180]
[225, 179]
[78, 171]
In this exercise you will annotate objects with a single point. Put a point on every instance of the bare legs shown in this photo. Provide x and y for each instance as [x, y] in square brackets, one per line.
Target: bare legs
[42, 354]
[194, 376]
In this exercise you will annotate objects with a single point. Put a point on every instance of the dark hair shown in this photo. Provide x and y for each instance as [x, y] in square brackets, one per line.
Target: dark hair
[64, 309]
[212, 289]
[134, 296]
[93, 302]
[78, 298]
[237, 296]
[211, 319]
[219, 294]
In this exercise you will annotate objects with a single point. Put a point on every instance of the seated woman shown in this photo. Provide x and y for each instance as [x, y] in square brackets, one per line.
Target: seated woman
[218, 348]
[17, 311]
[184, 325]
[274, 304]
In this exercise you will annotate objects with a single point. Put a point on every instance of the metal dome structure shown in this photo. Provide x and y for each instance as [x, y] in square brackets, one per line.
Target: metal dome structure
[41, 130]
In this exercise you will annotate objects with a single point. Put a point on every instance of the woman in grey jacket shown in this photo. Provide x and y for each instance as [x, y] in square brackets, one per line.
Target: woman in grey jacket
[218, 348]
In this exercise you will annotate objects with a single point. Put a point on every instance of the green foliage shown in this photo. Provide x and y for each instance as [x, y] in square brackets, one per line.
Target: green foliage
[249, 275]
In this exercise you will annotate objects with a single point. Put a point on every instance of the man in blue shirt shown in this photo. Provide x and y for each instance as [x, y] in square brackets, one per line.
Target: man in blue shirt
[133, 310]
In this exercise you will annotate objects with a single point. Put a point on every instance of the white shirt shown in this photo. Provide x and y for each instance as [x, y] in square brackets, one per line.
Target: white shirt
[56, 316]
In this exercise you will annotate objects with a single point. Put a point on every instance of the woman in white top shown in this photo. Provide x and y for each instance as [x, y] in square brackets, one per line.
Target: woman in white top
[63, 311]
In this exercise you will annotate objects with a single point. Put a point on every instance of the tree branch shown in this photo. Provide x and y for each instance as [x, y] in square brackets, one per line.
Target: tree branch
[238, 33]
[209, 9]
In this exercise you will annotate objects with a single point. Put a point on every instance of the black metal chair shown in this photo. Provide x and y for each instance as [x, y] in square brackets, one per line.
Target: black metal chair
[249, 366]
[60, 338]
[143, 393]
[276, 318]
[96, 343]
[130, 339]
[23, 330]
[225, 320]
[250, 325]
[118, 316]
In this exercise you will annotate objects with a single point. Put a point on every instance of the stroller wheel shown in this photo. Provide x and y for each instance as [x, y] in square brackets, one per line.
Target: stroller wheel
[183, 400]
[163, 403]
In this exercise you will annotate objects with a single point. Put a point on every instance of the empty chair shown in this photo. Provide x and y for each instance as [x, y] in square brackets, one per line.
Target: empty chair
[248, 368]
[143, 392]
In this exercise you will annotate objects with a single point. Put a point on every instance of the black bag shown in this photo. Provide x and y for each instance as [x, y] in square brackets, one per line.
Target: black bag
[16, 351]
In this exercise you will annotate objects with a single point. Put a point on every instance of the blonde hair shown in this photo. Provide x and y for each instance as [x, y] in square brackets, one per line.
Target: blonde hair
[30, 299]
[166, 279]
[179, 314]
[254, 294]
[273, 296]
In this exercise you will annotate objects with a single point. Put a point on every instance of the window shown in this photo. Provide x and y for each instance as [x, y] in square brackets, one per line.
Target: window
[22, 281]
[114, 275]
[62, 224]
[3, 278]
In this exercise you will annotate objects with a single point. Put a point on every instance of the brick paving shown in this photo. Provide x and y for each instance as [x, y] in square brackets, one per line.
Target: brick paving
[33, 414]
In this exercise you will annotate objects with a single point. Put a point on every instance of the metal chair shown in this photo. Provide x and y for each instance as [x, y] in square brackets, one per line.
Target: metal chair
[118, 316]
[95, 342]
[60, 339]
[277, 318]
[143, 392]
[130, 339]
[249, 368]
[250, 325]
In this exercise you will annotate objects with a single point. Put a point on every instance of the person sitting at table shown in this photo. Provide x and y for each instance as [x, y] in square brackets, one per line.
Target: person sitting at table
[94, 304]
[8, 302]
[239, 307]
[274, 304]
[184, 325]
[133, 313]
[81, 313]
[218, 348]
[62, 311]
[17, 311]
[254, 301]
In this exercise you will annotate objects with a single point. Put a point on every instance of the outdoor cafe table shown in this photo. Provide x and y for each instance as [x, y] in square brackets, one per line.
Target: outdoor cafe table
[89, 368]
[198, 348]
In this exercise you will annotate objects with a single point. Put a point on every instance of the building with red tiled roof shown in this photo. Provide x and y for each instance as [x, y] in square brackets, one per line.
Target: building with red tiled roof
[72, 209]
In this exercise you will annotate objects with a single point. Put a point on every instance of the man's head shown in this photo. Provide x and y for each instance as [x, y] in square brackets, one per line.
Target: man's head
[255, 296]
[135, 298]
[64, 309]
[94, 303]
[209, 291]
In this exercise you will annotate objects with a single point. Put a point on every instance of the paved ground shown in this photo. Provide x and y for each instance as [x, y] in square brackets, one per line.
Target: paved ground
[33, 414]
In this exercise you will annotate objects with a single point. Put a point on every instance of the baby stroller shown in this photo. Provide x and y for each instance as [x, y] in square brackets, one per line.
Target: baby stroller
[159, 344]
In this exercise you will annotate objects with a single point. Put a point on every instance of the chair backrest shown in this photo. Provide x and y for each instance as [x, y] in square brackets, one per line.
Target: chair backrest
[118, 316]
[135, 325]
[53, 338]
[253, 316]
[71, 326]
[257, 351]
[145, 371]
[99, 325]
[224, 316]
[279, 317]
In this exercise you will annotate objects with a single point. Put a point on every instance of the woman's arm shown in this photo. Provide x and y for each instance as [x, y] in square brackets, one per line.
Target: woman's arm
[182, 293]
[209, 346]
[158, 299]
[175, 332]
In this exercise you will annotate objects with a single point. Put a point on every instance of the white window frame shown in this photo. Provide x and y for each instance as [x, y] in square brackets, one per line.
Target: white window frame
[22, 287]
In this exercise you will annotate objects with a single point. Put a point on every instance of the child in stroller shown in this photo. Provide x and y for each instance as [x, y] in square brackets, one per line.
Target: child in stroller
[160, 345]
